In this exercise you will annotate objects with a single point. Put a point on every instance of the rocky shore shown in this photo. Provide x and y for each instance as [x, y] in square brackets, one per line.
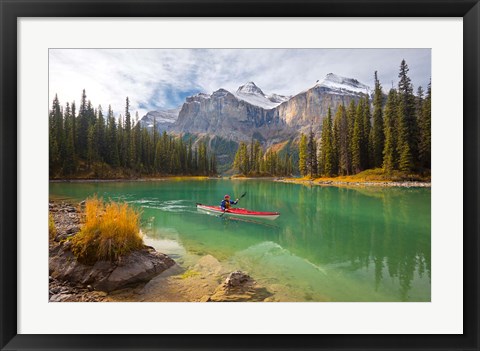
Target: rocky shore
[143, 275]
[403, 184]
[71, 280]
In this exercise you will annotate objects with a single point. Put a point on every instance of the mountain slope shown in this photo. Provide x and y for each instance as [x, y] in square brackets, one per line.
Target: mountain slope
[163, 119]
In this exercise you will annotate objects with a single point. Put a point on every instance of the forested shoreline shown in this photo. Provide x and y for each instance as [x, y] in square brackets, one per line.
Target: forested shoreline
[90, 144]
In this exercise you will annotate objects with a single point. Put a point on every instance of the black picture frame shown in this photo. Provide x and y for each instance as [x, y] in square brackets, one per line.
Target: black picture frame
[11, 10]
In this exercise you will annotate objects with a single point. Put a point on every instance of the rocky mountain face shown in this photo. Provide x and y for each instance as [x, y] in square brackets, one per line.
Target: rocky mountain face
[162, 120]
[226, 115]
[309, 108]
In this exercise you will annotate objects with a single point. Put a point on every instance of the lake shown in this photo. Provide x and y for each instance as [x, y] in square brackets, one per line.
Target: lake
[329, 243]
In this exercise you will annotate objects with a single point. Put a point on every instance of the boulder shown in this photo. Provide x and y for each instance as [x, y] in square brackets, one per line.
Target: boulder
[135, 268]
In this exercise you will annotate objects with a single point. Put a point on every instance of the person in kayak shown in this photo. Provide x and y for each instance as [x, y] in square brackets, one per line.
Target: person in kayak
[226, 203]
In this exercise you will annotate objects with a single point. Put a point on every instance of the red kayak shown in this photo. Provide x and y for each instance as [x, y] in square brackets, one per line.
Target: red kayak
[239, 212]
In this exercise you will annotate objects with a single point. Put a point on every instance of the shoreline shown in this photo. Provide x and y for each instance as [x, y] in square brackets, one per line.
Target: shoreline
[207, 280]
[301, 181]
[357, 183]
[146, 179]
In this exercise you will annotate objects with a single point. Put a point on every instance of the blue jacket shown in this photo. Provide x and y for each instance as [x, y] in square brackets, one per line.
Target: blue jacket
[223, 205]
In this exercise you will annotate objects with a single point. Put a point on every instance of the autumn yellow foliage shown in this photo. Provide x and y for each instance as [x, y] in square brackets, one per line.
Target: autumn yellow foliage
[52, 230]
[110, 231]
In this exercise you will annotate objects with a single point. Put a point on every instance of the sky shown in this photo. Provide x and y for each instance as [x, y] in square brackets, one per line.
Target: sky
[159, 79]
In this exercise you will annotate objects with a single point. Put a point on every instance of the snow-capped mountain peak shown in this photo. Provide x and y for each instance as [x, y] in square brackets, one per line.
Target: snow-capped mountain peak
[250, 88]
[343, 85]
[252, 94]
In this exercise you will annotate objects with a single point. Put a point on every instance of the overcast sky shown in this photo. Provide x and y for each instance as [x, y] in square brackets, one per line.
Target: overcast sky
[156, 79]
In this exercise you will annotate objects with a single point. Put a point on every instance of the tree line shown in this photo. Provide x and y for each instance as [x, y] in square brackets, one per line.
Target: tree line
[89, 141]
[252, 161]
[397, 137]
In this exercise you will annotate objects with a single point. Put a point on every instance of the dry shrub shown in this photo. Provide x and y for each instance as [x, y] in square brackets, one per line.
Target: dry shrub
[52, 231]
[110, 231]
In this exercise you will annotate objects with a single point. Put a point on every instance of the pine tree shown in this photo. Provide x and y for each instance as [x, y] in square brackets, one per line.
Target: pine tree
[358, 140]
[407, 132]
[367, 126]
[55, 136]
[241, 159]
[425, 130]
[302, 163]
[390, 155]
[113, 156]
[74, 125]
[312, 165]
[82, 126]
[378, 139]
[327, 158]
[341, 141]
[69, 166]
[129, 156]
[351, 114]
[100, 132]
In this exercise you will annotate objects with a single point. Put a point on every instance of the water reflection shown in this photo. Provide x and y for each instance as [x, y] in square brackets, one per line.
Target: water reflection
[329, 243]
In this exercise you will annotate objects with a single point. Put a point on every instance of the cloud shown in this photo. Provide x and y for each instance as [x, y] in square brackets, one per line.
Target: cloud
[161, 78]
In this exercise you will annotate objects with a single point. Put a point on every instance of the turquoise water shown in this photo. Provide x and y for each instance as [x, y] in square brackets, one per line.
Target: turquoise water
[329, 244]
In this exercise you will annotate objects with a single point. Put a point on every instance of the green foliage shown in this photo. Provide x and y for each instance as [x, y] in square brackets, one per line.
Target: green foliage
[407, 122]
[341, 142]
[95, 146]
[327, 152]
[378, 138]
[390, 155]
[312, 161]
[302, 162]
[425, 121]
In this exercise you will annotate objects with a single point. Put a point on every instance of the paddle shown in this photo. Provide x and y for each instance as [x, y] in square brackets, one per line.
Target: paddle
[245, 193]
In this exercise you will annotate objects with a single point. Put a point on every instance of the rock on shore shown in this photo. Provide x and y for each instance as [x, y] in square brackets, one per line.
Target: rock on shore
[239, 287]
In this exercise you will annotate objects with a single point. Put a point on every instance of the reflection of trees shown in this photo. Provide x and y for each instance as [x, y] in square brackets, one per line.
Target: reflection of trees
[390, 231]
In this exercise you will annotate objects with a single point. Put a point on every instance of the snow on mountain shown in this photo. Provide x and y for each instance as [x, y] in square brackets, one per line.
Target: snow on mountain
[341, 85]
[252, 94]
[278, 98]
[163, 119]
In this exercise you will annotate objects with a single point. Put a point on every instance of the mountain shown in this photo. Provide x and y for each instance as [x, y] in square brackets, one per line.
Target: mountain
[231, 116]
[223, 118]
[255, 96]
[343, 86]
[163, 119]
[308, 108]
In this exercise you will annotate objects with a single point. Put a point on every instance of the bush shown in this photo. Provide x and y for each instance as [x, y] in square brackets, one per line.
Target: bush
[110, 231]
[52, 231]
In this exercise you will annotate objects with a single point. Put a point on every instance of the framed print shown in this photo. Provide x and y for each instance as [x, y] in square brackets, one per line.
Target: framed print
[281, 159]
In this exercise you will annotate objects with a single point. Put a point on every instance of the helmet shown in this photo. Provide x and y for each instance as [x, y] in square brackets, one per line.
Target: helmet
[226, 196]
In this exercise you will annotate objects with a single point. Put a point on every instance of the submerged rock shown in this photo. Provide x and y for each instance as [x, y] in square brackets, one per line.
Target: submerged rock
[239, 287]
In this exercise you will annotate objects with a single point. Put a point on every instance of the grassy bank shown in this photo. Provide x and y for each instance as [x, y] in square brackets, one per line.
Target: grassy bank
[370, 176]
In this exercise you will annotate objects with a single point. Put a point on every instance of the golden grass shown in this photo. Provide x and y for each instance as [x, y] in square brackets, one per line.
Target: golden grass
[52, 231]
[110, 231]
[376, 175]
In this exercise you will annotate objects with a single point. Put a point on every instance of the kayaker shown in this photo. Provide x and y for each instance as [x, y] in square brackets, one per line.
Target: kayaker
[226, 202]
